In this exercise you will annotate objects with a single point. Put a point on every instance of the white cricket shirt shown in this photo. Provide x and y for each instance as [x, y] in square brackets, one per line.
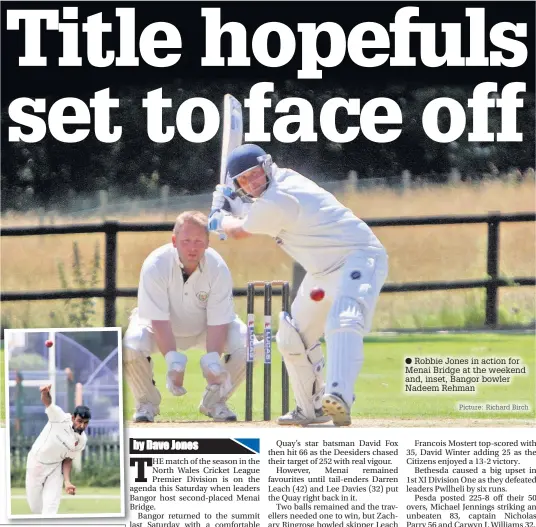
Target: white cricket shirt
[57, 441]
[308, 222]
[206, 298]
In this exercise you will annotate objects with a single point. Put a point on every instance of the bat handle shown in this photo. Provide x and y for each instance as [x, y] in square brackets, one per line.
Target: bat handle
[227, 208]
[222, 235]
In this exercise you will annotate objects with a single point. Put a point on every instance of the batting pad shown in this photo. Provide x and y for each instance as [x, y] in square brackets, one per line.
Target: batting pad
[344, 339]
[304, 367]
[139, 377]
[138, 338]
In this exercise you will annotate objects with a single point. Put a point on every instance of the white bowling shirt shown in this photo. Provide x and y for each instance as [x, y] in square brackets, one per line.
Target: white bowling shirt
[57, 441]
[308, 222]
[205, 299]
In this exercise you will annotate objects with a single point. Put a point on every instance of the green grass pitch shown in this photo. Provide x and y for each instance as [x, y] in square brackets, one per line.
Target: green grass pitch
[380, 387]
[87, 501]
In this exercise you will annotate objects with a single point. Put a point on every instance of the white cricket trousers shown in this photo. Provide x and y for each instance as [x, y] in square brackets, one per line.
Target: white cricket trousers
[344, 316]
[44, 483]
[312, 317]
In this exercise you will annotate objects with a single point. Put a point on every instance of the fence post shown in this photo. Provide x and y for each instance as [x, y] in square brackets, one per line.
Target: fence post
[454, 176]
[164, 197]
[41, 214]
[351, 182]
[110, 272]
[406, 180]
[493, 269]
[103, 204]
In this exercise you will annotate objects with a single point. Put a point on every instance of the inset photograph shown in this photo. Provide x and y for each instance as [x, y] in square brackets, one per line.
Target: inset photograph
[64, 408]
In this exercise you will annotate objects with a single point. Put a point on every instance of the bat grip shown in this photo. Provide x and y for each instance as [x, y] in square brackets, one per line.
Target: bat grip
[227, 208]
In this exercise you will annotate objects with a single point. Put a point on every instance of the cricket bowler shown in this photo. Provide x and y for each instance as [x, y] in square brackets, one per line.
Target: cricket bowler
[49, 462]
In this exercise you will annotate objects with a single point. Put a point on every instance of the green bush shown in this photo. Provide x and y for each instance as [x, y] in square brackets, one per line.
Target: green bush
[95, 474]
[28, 361]
[81, 311]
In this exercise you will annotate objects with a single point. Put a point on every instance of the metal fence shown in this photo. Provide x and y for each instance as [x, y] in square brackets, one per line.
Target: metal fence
[102, 451]
[111, 292]
[112, 205]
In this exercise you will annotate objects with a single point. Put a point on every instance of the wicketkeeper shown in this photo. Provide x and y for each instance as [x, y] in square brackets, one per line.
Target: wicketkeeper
[185, 300]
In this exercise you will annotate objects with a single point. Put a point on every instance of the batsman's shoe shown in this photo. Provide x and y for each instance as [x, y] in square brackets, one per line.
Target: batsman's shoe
[220, 412]
[333, 405]
[145, 413]
[297, 418]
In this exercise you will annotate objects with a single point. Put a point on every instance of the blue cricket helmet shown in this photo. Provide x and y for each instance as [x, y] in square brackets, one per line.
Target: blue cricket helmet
[243, 158]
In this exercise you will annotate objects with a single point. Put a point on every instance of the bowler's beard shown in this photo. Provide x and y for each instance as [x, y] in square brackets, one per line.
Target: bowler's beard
[77, 430]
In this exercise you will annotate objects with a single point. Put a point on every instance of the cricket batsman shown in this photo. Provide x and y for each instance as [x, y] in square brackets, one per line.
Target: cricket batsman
[341, 255]
[48, 467]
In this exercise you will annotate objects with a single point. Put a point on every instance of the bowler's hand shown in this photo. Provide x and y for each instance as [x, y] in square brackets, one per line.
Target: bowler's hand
[70, 488]
[46, 398]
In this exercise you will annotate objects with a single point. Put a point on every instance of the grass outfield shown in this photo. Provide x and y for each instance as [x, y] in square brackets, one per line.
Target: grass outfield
[380, 388]
[87, 501]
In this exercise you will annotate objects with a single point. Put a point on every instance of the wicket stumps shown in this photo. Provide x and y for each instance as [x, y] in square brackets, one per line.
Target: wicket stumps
[267, 292]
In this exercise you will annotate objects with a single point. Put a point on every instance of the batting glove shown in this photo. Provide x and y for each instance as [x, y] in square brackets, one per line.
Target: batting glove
[218, 199]
[224, 198]
[215, 221]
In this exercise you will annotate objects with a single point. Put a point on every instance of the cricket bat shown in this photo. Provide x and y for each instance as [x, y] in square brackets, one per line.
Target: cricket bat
[232, 132]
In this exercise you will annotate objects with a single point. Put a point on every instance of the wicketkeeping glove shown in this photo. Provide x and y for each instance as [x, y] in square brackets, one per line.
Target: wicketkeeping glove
[176, 363]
